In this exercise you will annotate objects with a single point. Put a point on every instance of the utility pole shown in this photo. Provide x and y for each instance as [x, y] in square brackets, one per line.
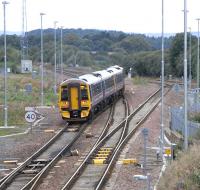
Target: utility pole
[42, 63]
[190, 59]
[185, 77]
[24, 40]
[55, 91]
[61, 51]
[162, 87]
[198, 55]
[5, 68]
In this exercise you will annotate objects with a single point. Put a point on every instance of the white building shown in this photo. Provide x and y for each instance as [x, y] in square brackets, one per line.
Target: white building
[26, 66]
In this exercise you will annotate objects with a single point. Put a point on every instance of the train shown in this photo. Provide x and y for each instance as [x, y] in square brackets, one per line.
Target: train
[79, 99]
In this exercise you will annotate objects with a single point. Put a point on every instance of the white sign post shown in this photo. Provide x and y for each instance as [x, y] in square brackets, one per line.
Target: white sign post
[30, 117]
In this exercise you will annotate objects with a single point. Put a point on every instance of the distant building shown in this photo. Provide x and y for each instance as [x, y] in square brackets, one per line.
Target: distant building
[26, 66]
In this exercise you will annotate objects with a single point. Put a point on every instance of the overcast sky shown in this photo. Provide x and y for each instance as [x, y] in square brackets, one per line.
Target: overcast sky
[135, 16]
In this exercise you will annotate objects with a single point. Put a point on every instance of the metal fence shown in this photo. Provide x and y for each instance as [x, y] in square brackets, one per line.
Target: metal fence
[177, 114]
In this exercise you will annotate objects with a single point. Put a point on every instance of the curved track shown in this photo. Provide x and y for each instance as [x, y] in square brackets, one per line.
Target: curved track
[46, 170]
[94, 165]
[93, 174]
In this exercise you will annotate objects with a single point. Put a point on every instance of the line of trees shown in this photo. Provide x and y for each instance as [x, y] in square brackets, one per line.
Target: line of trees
[100, 49]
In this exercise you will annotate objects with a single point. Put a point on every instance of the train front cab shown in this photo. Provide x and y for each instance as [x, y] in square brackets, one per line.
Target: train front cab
[74, 101]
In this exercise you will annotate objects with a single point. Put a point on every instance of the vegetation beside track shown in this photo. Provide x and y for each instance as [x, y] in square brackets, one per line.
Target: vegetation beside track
[184, 173]
[18, 98]
[140, 80]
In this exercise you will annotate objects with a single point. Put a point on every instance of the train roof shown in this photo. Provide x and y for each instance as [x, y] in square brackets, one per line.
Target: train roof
[104, 74]
[90, 78]
[69, 80]
[114, 70]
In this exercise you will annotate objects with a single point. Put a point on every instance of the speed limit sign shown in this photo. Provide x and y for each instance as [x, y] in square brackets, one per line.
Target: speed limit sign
[30, 116]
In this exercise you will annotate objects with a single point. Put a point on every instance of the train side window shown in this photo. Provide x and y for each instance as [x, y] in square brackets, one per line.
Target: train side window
[109, 83]
[96, 89]
[118, 78]
[64, 94]
[84, 94]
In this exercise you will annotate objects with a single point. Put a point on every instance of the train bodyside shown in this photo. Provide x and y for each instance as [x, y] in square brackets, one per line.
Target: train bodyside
[118, 79]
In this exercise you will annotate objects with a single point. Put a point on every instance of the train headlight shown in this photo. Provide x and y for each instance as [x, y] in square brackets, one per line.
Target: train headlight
[65, 104]
[84, 102]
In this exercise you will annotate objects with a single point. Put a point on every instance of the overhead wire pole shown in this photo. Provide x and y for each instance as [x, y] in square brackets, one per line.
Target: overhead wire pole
[55, 22]
[185, 77]
[5, 68]
[162, 86]
[42, 62]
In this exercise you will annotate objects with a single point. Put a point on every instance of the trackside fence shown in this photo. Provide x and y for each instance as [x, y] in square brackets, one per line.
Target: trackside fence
[177, 115]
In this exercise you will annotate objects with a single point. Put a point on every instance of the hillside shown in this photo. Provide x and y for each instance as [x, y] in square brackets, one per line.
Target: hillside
[94, 48]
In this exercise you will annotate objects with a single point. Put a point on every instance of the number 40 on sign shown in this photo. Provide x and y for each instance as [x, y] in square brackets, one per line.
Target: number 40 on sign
[30, 116]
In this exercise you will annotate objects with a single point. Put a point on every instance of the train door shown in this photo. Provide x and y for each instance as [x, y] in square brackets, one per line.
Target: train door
[74, 98]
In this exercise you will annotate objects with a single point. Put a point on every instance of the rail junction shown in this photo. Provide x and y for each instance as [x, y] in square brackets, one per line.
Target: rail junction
[97, 165]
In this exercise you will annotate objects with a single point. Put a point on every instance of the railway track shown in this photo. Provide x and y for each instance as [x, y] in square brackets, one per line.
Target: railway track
[94, 164]
[105, 130]
[27, 172]
[72, 72]
[96, 167]
[34, 169]
[31, 179]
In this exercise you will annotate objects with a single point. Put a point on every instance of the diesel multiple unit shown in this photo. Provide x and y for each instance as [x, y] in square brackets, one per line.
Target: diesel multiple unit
[80, 98]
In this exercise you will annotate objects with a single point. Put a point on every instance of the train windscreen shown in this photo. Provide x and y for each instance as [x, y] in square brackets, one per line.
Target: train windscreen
[84, 95]
[64, 94]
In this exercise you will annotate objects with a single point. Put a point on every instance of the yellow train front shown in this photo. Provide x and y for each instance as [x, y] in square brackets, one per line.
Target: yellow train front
[74, 100]
[80, 98]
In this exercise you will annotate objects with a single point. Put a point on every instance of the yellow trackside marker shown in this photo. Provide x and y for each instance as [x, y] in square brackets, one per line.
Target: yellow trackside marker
[99, 158]
[106, 149]
[130, 161]
[103, 152]
[102, 155]
[168, 151]
[98, 161]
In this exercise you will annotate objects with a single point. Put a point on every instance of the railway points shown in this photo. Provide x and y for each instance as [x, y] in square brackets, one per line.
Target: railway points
[92, 137]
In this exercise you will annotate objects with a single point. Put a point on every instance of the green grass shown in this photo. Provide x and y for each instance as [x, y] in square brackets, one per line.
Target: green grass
[18, 99]
[140, 80]
[8, 131]
[195, 118]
